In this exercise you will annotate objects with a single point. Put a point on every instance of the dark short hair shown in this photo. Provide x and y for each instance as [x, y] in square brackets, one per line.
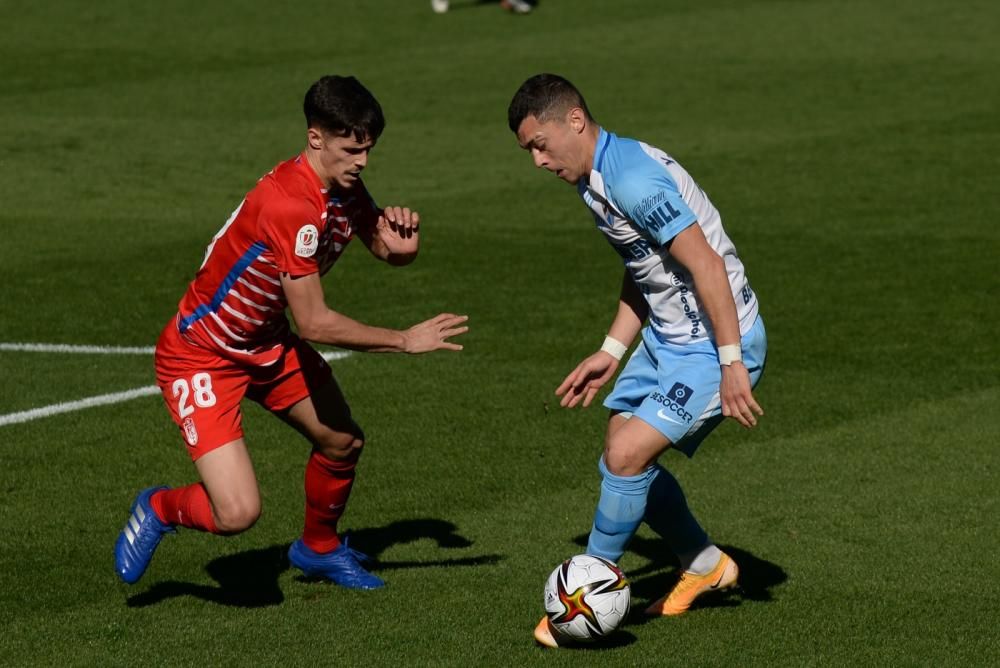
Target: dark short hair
[544, 96]
[342, 106]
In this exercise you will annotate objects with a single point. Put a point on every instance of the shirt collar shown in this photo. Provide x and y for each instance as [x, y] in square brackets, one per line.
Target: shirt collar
[603, 141]
[596, 182]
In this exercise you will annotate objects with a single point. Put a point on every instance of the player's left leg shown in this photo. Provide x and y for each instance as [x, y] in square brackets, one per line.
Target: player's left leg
[689, 381]
[308, 398]
[704, 567]
[324, 418]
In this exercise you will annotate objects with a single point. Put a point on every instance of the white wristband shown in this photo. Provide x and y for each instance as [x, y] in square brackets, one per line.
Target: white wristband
[729, 354]
[614, 347]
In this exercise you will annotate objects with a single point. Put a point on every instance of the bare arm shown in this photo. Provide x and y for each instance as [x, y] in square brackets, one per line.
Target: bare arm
[592, 373]
[708, 270]
[318, 323]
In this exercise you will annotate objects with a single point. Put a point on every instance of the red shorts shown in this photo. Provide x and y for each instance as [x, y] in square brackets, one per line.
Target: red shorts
[203, 390]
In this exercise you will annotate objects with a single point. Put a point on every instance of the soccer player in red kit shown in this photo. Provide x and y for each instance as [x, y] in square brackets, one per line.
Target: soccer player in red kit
[231, 338]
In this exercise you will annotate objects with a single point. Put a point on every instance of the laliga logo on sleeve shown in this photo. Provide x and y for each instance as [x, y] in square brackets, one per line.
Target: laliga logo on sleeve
[307, 241]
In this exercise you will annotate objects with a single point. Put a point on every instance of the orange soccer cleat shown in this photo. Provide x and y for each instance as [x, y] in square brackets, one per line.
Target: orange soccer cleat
[691, 586]
[545, 635]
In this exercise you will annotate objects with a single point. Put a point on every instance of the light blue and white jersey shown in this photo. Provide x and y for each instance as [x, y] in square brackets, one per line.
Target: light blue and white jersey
[641, 199]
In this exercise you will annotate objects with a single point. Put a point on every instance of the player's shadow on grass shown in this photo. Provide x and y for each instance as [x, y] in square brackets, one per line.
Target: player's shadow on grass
[620, 638]
[246, 579]
[250, 579]
[756, 580]
[376, 540]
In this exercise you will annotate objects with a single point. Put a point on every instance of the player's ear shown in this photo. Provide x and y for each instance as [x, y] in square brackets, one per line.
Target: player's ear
[577, 120]
[314, 136]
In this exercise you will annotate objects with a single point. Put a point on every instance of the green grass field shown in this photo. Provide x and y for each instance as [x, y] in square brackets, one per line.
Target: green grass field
[852, 149]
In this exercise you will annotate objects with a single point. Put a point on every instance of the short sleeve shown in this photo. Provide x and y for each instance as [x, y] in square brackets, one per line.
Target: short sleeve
[291, 229]
[364, 212]
[647, 195]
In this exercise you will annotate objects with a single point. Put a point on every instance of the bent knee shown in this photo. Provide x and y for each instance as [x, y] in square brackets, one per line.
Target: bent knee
[236, 515]
[622, 460]
[342, 445]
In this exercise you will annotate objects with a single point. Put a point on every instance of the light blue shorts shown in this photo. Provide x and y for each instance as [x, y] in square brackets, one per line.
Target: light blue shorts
[675, 389]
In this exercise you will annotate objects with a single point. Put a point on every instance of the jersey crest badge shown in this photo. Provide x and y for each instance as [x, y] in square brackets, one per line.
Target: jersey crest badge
[307, 241]
[190, 432]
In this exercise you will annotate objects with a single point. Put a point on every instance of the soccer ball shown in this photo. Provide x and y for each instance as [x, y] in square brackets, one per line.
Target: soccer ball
[586, 598]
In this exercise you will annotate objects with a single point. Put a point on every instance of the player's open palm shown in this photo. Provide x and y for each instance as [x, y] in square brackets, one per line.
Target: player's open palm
[737, 397]
[433, 334]
[399, 229]
[586, 379]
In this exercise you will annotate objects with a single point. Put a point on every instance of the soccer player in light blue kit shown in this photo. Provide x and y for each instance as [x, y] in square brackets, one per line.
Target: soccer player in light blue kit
[698, 357]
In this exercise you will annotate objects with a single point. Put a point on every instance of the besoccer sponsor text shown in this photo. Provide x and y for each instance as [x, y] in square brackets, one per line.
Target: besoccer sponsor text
[675, 400]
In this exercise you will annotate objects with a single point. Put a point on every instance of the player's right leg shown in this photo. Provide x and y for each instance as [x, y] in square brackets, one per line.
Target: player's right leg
[202, 393]
[622, 501]
[626, 468]
[627, 473]
[630, 447]
[225, 502]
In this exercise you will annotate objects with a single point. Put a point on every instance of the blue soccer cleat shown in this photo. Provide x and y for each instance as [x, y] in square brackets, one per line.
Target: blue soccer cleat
[342, 566]
[138, 540]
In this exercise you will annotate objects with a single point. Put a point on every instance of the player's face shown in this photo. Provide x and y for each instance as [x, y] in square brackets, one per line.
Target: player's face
[343, 159]
[555, 145]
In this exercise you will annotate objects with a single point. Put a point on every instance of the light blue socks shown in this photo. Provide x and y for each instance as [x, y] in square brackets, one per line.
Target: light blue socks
[619, 512]
[667, 514]
[653, 496]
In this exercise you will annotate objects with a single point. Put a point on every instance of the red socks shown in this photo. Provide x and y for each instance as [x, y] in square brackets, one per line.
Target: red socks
[186, 506]
[328, 484]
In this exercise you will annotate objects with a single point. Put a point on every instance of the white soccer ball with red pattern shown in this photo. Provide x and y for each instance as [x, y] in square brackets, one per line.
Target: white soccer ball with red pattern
[586, 598]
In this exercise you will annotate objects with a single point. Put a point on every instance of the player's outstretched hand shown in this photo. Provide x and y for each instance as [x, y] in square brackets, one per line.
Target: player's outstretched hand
[398, 227]
[433, 334]
[737, 399]
[586, 379]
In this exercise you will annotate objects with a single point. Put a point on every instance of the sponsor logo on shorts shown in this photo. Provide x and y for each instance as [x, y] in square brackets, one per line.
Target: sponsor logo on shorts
[680, 393]
[307, 241]
[190, 432]
[663, 416]
[673, 404]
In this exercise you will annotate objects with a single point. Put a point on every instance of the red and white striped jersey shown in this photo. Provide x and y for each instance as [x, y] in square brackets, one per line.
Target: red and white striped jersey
[289, 224]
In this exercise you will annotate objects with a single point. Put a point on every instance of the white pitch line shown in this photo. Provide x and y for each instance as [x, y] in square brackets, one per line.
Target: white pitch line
[69, 406]
[104, 399]
[67, 348]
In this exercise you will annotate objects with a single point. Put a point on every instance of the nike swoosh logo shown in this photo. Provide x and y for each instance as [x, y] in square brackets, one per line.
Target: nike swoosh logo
[717, 582]
[663, 416]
